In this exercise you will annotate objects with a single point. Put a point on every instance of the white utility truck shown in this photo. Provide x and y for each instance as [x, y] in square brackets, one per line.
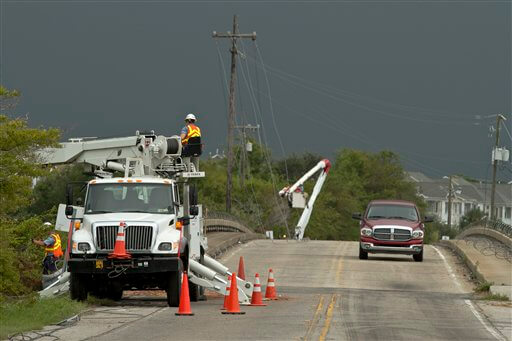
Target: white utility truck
[141, 184]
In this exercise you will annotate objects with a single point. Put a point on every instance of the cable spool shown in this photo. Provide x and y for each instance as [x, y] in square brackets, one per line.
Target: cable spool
[167, 146]
[173, 146]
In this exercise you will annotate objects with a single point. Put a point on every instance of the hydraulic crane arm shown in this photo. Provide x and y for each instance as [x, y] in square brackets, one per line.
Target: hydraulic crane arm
[297, 198]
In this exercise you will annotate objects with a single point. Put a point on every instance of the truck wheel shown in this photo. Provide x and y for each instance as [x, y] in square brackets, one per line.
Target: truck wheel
[418, 257]
[362, 254]
[174, 287]
[78, 287]
[193, 291]
[115, 291]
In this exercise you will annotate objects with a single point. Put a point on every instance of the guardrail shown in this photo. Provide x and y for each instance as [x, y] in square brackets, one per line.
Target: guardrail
[496, 225]
[224, 222]
[500, 227]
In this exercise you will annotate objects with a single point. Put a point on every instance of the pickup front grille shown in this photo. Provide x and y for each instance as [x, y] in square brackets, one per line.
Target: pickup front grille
[137, 238]
[391, 234]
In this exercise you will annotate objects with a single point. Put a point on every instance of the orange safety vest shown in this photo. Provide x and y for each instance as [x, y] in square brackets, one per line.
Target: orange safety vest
[193, 131]
[55, 248]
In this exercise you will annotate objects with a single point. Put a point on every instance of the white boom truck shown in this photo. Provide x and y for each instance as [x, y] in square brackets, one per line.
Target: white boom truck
[163, 230]
[298, 199]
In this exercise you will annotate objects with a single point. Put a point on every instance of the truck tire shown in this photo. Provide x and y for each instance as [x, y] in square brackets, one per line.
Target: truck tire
[115, 291]
[362, 254]
[418, 257]
[78, 287]
[173, 288]
[193, 291]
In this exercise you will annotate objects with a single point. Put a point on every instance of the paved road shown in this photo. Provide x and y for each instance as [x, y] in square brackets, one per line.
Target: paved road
[327, 293]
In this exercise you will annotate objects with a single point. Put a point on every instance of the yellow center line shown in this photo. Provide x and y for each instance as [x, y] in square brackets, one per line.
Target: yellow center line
[315, 317]
[328, 318]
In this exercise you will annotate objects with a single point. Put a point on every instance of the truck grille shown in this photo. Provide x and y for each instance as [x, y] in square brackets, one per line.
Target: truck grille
[137, 238]
[392, 234]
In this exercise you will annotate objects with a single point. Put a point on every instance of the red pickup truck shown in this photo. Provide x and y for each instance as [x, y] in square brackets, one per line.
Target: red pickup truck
[391, 226]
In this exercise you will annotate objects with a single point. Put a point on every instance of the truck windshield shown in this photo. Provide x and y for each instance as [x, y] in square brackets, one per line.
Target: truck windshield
[126, 197]
[392, 212]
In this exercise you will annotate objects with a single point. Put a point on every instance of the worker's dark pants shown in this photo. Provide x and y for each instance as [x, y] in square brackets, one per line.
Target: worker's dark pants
[49, 265]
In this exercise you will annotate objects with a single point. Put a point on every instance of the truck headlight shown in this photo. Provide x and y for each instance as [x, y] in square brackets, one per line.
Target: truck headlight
[367, 232]
[84, 247]
[417, 234]
[165, 247]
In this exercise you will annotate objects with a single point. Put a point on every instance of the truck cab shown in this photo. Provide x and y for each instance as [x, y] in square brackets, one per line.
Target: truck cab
[148, 208]
[391, 226]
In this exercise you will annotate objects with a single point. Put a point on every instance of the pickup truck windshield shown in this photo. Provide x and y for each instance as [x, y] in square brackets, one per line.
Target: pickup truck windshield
[392, 212]
[126, 197]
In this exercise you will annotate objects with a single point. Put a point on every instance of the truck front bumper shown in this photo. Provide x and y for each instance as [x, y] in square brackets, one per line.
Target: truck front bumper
[411, 249]
[139, 265]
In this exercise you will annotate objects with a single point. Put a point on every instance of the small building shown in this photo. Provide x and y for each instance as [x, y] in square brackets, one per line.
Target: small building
[466, 195]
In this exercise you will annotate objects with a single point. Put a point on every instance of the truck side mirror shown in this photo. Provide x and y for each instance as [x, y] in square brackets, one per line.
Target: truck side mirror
[69, 195]
[69, 211]
[428, 219]
[194, 210]
[357, 216]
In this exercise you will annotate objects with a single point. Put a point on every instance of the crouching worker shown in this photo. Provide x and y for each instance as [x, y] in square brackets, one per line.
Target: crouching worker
[191, 142]
[53, 251]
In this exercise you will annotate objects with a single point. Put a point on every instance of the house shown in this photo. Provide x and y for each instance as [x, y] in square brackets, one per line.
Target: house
[466, 196]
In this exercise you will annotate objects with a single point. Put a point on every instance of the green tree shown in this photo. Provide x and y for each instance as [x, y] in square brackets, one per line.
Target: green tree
[470, 217]
[19, 259]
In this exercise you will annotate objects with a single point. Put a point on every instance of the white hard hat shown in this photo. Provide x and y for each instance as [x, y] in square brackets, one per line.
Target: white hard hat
[190, 117]
[47, 224]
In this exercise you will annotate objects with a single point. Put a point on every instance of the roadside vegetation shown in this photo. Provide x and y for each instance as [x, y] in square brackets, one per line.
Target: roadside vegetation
[32, 313]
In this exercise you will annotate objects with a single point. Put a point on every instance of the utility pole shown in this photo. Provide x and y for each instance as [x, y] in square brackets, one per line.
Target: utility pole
[499, 118]
[450, 194]
[231, 111]
[244, 150]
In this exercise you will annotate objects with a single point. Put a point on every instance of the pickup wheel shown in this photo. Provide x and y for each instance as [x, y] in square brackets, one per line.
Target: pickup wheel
[362, 254]
[78, 287]
[418, 257]
[173, 288]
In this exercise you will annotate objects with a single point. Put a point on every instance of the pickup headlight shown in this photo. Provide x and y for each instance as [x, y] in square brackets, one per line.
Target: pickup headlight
[84, 247]
[165, 247]
[367, 232]
[418, 234]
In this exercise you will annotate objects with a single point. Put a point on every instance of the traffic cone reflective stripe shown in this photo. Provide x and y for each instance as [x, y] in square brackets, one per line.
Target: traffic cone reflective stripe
[226, 296]
[184, 308]
[241, 268]
[233, 305]
[271, 293]
[256, 299]
[119, 247]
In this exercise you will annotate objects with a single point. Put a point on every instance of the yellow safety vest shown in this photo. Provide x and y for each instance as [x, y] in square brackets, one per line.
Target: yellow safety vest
[55, 248]
[193, 131]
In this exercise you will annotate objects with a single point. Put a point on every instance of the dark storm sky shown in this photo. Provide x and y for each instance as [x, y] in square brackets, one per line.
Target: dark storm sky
[408, 76]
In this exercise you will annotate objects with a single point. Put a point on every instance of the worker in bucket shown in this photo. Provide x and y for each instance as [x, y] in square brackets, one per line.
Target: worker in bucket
[191, 142]
[53, 250]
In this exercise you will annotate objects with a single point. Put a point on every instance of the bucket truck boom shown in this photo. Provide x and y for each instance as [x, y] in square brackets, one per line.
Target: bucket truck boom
[298, 199]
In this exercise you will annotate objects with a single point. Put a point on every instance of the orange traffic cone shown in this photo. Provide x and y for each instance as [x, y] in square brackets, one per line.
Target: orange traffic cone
[241, 268]
[270, 293]
[119, 247]
[233, 305]
[256, 299]
[226, 296]
[184, 308]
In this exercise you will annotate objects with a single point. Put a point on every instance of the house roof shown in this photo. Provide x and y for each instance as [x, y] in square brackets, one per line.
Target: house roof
[467, 191]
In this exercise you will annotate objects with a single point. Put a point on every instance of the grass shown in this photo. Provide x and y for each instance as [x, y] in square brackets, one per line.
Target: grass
[483, 287]
[495, 297]
[93, 300]
[33, 313]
